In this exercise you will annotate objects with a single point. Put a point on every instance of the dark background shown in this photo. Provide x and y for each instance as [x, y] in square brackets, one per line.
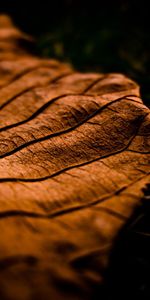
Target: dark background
[103, 36]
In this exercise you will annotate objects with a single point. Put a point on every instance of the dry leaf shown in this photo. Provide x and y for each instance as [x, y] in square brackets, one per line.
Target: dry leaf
[74, 152]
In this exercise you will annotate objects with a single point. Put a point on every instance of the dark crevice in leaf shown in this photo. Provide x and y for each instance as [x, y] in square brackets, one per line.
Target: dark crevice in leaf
[129, 272]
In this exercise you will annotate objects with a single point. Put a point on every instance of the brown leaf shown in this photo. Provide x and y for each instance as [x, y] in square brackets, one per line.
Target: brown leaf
[75, 156]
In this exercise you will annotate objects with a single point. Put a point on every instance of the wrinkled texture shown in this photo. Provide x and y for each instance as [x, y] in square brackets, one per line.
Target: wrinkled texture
[75, 156]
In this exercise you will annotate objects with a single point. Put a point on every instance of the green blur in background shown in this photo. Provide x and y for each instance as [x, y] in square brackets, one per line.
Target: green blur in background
[100, 36]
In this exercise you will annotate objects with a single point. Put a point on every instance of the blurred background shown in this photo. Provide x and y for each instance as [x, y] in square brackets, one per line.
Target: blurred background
[101, 36]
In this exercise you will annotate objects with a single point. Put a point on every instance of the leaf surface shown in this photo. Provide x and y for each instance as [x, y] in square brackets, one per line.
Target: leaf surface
[74, 159]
